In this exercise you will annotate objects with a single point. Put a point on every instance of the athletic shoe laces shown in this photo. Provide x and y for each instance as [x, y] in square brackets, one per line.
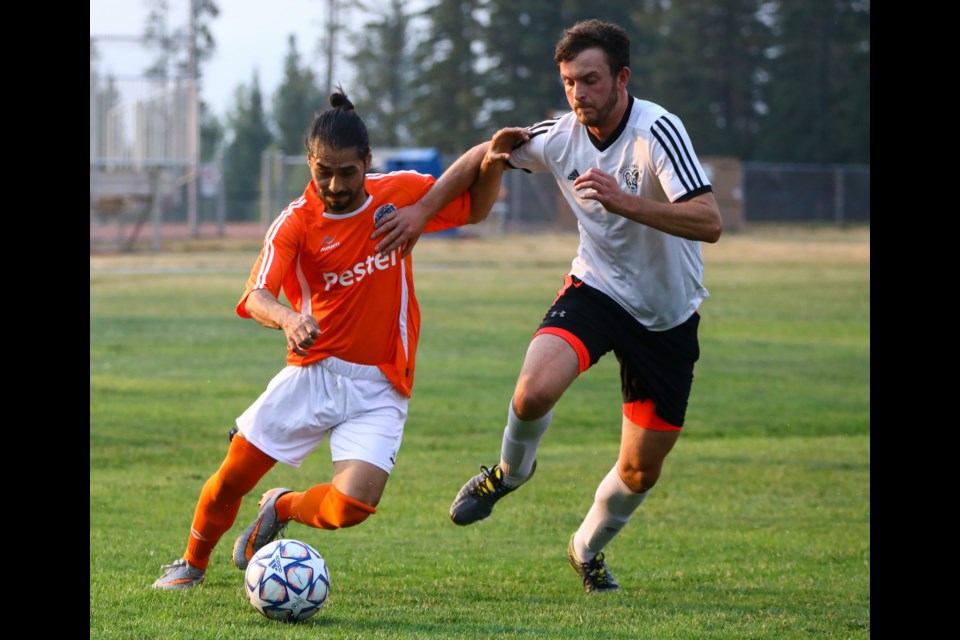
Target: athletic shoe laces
[490, 482]
[597, 571]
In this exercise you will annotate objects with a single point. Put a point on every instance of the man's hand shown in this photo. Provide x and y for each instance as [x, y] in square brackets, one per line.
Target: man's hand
[402, 228]
[595, 184]
[301, 331]
[503, 142]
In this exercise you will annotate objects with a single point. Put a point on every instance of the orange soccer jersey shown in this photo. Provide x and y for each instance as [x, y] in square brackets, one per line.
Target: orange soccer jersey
[363, 301]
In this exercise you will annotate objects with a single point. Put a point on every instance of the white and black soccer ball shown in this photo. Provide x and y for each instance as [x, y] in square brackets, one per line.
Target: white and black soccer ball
[287, 580]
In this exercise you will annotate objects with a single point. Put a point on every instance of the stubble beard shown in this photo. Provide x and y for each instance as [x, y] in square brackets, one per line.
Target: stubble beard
[602, 112]
[341, 203]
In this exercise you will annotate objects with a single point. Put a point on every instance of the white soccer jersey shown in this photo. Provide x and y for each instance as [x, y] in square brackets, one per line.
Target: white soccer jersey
[653, 275]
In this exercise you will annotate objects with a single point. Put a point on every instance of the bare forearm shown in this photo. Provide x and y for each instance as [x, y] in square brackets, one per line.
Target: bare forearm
[485, 189]
[301, 330]
[696, 219]
[457, 178]
[267, 310]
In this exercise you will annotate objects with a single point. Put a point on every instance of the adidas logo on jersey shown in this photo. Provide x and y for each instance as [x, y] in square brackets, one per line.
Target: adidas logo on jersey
[573, 175]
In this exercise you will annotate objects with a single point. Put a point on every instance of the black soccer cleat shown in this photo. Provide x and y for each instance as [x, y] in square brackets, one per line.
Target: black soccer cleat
[476, 498]
[595, 574]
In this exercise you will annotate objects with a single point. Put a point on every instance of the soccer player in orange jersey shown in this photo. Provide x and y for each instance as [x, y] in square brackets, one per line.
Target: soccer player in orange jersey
[351, 332]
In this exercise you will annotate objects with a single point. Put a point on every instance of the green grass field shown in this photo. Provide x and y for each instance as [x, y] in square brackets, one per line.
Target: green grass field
[759, 527]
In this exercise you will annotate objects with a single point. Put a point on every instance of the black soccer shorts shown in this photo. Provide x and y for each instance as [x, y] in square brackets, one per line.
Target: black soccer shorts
[654, 365]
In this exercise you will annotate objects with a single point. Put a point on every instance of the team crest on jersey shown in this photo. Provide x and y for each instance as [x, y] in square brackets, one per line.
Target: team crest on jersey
[631, 177]
[382, 211]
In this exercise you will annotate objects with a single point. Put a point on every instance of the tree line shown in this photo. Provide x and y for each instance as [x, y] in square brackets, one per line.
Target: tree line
[760, 80]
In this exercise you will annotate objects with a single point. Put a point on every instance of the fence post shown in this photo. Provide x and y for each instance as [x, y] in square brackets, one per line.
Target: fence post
[221, 203]
[838, 197]
[281, 169]
[155, 209]
[265, 190]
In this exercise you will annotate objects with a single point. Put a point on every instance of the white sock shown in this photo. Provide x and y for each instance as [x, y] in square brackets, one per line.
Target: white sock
[519, 448]
[613, 504]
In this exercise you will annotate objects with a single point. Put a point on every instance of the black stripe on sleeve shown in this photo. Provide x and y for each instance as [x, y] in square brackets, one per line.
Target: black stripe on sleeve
[690, 195]
[521, 168]
[679, 153]
[541, 127]
[544, 123]
[535, 130]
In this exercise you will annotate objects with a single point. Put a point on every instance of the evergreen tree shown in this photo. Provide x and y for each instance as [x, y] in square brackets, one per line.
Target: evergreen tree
[173, 43]
[207, 10]
[212, 134]
[707, 68]
[820, 83]
[521, 79]
[448, 95]
[295, 102]
[385, 75]
[242, 157]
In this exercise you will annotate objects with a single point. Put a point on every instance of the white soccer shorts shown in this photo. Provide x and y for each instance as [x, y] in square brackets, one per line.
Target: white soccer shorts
[356, 404]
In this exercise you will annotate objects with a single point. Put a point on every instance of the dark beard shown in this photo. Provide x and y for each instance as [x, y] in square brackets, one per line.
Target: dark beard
[603, 112]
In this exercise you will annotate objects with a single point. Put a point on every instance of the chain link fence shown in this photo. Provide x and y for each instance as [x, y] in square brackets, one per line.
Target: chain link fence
[747, 192]
[780, 192]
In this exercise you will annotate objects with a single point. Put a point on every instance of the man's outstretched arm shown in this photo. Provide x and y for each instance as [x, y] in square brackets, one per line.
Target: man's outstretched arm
[479, 169]
[486, 187]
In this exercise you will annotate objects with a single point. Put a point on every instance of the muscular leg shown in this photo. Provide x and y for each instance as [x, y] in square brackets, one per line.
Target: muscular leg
[549, 367]
[642, 452]
[548, 370]
[625, 487]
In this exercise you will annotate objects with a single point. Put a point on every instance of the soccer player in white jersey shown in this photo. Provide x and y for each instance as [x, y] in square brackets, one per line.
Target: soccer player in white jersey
[643, 203]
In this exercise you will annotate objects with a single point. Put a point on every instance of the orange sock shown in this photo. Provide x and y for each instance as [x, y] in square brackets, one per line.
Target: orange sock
[323, 506]
[220, 498]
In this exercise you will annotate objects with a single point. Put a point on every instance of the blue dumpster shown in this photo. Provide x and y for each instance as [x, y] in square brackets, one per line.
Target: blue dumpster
[425, 160]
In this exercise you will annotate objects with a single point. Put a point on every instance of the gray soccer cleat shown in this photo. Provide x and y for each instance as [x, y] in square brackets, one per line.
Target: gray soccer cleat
[265, 529]
[179, 575]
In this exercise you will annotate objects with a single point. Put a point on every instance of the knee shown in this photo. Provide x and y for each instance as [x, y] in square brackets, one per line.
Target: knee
[532, 399]
[640, 479]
